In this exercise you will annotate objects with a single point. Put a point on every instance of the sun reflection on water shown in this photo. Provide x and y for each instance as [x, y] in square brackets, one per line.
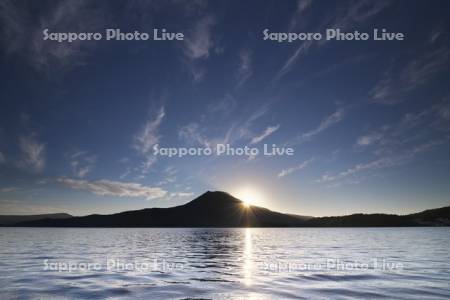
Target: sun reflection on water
[248, 260]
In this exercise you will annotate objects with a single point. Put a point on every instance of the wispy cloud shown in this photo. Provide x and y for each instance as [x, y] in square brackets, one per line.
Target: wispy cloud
[356, 12]
[8, 189]
[244, 71]
[169, 174]
[114, 188]
[149, 134]
[296, 168]
[302, 6]
[243, 129]
[148, 137]
[326, 123]
[412, 129]
[181, 194]
[198, 45]
[12, 19]
[399, 143]
[369, 139]
[422, 69]
[395, 144]
[224, 106]
[2, 158]
[82, 163]
[395, 84]
[193, 134]
[384, 162]
[267, 132]
[33, 153]
[301, 50]
[26, 38]
[435, 35]
[196, 134]
[199, 41]
[332, 119]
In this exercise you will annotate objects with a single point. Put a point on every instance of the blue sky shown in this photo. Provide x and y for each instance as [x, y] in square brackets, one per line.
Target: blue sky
[369, 120]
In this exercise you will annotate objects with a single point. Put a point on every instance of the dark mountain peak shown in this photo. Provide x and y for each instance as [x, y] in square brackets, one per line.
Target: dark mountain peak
[217, 198]
[219, 194]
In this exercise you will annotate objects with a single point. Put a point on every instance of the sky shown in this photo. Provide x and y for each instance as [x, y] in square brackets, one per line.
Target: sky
[369, 121]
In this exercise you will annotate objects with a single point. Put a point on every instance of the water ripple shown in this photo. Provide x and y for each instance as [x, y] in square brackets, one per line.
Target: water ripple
[190, 263]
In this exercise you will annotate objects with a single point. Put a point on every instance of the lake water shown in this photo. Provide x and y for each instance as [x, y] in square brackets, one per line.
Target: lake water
[257, 263]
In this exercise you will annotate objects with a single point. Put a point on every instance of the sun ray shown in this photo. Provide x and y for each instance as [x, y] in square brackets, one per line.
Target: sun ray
[249, 196]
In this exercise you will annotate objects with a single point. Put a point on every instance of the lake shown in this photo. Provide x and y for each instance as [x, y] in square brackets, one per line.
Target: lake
[230, 263]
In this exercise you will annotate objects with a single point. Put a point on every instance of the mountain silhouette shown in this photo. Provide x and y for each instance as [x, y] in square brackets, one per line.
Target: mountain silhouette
[220, 209]
[431, 217]
[13, 219]
[212, 209]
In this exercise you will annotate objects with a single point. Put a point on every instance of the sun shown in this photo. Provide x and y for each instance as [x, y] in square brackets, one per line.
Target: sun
[246, 204]
[249, 196]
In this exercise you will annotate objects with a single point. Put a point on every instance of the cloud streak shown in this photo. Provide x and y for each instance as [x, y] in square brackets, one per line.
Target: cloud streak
[196, 133]
[114, 188]
[395, 84]
[8, 189]
[149, 134]
[291, 170]
[326, 123]
[82, 163]
[198, 45]
[302, 7]
[384, 162]
[301, 50]
[24, 35]
[245, 67]
[412, 129]
[355, 13]
[358, 12]
[199, 42]
[148, 137]
[369, 139]
[398, 144]
[267, 132]
[33, 153]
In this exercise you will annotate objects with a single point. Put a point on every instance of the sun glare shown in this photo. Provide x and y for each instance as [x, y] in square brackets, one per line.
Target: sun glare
[249, 196]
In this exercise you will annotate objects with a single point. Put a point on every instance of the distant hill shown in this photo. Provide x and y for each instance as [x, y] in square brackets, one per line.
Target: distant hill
[219, 209]
[12, 219]
[431, 217]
